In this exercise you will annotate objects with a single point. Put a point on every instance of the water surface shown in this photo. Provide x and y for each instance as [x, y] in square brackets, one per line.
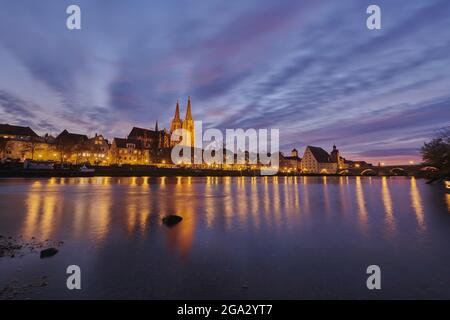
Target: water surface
[241, 237]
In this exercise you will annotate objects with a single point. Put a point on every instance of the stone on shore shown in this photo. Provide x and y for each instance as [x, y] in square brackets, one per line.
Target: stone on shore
[171, 220]
[47, 253]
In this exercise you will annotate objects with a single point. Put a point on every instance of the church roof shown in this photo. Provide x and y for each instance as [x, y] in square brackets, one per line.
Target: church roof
[141, 132]
[320, 154]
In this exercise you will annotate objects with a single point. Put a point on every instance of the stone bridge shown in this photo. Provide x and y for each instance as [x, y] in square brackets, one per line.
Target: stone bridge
[397, 170]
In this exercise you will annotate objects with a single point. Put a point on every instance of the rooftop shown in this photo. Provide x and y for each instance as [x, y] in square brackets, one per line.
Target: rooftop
[320, 154]
[7, 129]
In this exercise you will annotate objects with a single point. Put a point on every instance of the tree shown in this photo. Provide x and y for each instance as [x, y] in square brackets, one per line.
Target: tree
[436, 153]
[29, 147]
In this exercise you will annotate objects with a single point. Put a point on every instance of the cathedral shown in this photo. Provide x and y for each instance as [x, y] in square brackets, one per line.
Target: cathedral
[187, 124]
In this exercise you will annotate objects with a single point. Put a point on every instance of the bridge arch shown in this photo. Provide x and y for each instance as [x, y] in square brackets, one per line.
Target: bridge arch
[344, 172]
[429, 168]
[368, 172]
[397, 171]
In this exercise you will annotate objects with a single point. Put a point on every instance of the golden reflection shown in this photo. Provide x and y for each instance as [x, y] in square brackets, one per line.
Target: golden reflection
[42, 215]
[209, 203]
[286, 192]
[132, 215]
[33, 210]
[228, 202]
[362, 212]
[296, 194]
[241, 201]
[182, 236]
[257, 202]
[48, 216]
[99, 214]
[416, 201]
[387, 203]
[144, 214]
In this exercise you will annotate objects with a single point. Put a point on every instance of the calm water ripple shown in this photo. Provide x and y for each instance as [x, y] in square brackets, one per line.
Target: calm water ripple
[282, 237]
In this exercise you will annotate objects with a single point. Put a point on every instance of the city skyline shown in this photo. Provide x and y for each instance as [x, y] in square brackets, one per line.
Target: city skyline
[311, 69]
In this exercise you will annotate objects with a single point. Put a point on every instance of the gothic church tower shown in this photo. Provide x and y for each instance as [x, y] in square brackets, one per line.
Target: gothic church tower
[188, 125]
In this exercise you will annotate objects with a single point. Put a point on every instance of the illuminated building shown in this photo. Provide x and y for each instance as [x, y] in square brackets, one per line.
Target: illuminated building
[94, 151]
[129, 151]
[317, 160]
[290, 163]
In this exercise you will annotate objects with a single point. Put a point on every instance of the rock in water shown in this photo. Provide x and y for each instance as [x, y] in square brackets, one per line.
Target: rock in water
[171, 220]
[47, 253]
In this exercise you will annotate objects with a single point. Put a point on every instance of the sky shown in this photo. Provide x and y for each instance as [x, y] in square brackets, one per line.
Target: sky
[310, 68]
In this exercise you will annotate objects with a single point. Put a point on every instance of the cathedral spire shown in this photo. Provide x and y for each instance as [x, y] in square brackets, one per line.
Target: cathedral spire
[188, 110]
[156, 126]
[176, 121]
[177, 111]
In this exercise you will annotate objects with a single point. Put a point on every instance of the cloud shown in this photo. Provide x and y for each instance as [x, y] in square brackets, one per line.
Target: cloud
[380, 153]
[13, 106]
[310, 68]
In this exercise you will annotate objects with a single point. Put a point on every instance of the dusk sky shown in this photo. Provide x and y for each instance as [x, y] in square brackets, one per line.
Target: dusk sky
[310, 68]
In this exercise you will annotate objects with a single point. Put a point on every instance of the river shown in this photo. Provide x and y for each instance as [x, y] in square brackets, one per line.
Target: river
[240, 237]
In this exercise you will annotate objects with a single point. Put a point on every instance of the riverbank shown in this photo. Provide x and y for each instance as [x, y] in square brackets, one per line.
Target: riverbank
[151, 171]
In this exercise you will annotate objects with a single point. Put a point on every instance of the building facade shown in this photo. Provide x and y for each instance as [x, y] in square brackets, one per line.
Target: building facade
[290, 163]
[129, 151]
[93, 151]
[70, 146]
[35, 149]
[21, 143]
[317, 160]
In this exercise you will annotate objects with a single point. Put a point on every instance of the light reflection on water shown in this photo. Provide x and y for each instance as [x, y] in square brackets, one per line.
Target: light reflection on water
[294, 219]
[362, 210]
[246, 202]
[417, 204]
[243, 202]
[388, 207]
